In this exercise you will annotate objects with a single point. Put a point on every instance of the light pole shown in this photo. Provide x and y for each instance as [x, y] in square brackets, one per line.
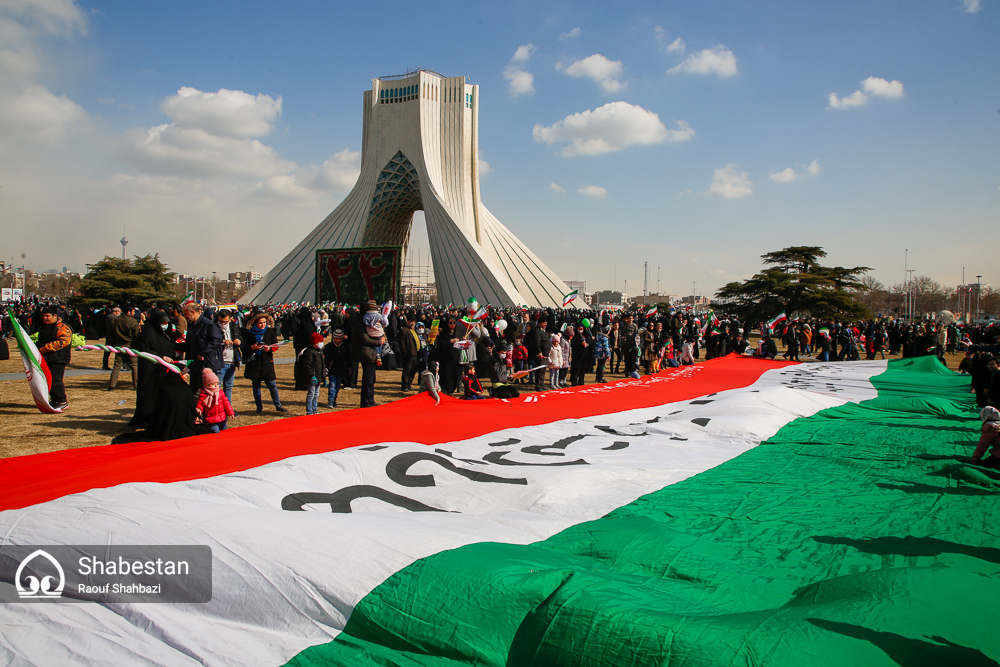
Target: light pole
[911, 298]
[214, 280]
[977, 295]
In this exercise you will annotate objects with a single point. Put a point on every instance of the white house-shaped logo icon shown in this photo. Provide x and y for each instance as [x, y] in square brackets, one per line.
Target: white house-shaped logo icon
[31, 586]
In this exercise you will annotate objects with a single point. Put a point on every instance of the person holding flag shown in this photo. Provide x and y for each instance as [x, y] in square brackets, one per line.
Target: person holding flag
[568, 299]
[54, 340]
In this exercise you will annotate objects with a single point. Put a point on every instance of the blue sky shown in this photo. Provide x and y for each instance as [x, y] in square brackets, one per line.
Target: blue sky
[221, 133]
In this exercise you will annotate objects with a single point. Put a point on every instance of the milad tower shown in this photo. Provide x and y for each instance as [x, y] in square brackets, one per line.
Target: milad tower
[420, 151]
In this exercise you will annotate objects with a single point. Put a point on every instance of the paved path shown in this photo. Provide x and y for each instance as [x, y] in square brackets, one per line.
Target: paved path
[6, 377]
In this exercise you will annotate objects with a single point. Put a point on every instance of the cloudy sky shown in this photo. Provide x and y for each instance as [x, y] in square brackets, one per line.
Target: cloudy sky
[695, 136]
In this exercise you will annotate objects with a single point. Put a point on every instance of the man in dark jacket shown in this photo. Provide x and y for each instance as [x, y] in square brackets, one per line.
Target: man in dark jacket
[409, 350]
[337, 359]
[54, 340]
[124, 330]
[538, 344]
[204, 344]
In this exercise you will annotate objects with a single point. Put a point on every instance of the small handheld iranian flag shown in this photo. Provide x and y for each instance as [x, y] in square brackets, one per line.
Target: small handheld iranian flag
[568, 299]
[651, 311]
[39, 378]
[777, 320]
[188, 298]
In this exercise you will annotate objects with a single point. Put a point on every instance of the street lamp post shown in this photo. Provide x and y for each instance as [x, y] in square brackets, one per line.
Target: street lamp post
[214, 280]
[977, 295]
[911, 298]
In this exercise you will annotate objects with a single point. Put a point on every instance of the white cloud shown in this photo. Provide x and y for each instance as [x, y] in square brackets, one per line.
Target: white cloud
[575, 32]
[521, 82]
[971, 6]
[227, 113]
[789, 174]
[593, 191]
[600, 69]
[484, 167]
[29, 111]
[873, 85]
[855, 99]
[676, 46]
[338, 173]
[730, 183]
[173, 150]
[557, 188]
[58, 17]
[785, 175]
[614, 126]
[523, 53]
[717, 60]
[608, 128]
[879, 87]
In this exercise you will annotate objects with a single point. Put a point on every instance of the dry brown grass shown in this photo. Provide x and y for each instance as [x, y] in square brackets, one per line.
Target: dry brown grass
[95, 415]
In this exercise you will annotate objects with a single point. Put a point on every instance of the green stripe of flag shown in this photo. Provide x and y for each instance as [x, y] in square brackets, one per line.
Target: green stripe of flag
[858, 536]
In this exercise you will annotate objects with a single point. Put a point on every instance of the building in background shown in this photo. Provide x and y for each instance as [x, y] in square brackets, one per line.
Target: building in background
[420, 152]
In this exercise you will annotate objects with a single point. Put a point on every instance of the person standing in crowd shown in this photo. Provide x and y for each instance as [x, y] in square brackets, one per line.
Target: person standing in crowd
[54, 341]
[365, 350]
[448, 357]
[258, 364]
[230, 351]
[309, 371]
[156, 338]
[303, 329]
[108, 337]
[602, 352]
[124, 330]
[337, 359]
[204, 344]
[538, 344]
[409, 351]
[615, 343]
[566, 345]
[581, 355]
[555, 360]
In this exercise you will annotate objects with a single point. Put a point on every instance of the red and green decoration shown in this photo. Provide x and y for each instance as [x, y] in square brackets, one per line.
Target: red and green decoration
[358, 275]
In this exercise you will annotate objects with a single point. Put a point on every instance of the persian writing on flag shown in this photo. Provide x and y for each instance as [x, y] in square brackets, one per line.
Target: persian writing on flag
[639, 522]
[35, 368]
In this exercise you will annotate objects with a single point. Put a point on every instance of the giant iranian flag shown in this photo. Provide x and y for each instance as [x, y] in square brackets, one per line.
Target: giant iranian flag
[738, 512]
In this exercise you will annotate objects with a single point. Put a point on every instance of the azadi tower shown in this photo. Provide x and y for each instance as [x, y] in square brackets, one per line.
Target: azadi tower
[420, 152]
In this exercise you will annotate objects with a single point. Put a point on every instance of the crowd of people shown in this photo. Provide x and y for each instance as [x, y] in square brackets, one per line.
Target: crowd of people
[447, 350]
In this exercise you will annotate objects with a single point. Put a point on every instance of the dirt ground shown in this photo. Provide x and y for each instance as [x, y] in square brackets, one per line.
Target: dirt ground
[96, 415]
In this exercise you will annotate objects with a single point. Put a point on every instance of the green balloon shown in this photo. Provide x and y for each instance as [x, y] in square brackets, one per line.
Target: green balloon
[585, 322]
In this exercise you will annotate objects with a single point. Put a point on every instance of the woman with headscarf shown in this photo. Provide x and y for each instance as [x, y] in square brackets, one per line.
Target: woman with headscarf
[449, 357]
[258, 359]
[157, 338]
[305, 327]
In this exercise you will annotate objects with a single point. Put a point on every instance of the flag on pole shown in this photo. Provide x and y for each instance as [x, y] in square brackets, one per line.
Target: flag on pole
[568, 299]
[651, 311]
[777, 320]
[39, 378]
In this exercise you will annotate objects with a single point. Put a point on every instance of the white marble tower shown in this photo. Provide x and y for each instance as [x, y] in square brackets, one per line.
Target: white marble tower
[421, 152]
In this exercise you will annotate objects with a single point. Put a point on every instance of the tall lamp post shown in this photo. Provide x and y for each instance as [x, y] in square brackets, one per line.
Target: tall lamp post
[911, 298]
[977, 295]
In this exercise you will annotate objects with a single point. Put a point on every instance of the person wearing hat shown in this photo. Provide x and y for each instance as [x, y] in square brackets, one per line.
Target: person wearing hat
[365, 350]
[309, 371]
[214, 408]
[337, 359]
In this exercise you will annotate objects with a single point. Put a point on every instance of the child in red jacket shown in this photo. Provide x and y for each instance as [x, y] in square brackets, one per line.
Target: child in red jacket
[213, 406]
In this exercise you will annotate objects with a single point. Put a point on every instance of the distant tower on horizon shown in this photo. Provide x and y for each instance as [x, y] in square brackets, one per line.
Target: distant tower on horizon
[124, 242]
[420, 152]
